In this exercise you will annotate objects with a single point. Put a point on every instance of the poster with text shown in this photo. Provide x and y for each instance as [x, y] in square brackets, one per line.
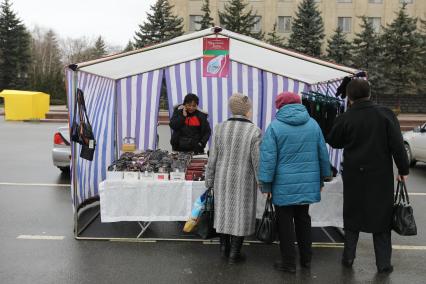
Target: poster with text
[215, 57]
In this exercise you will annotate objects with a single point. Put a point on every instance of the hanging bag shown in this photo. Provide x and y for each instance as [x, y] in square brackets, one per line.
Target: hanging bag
[403, 221]
[82, 132]
[266, 231]
[205, 222]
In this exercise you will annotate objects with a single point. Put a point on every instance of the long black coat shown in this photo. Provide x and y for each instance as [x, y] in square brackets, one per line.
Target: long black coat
[370, 136]
[186, 137]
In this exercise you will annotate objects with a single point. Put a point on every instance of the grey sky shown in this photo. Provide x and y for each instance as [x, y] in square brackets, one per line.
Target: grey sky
[115, 20]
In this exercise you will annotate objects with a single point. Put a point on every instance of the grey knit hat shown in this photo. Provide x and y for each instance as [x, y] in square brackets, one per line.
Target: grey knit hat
[239, 104]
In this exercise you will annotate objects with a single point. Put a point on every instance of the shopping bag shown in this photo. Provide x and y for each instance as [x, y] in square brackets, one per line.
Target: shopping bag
[195, 213]
[204, 226]
[403, 221]
[266, 230]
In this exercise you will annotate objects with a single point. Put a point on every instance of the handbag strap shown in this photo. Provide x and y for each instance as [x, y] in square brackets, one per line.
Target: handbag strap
[74, 116]
[82, 107]
[404, 190]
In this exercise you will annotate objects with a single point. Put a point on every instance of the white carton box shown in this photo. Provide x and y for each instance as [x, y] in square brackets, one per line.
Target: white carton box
[177, 176]
[161, 176]
[114, 175]
[146, 176]
[131, 175]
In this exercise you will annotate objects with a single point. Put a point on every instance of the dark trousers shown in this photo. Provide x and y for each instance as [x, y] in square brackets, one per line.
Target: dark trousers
[294, 222]
[382, 247]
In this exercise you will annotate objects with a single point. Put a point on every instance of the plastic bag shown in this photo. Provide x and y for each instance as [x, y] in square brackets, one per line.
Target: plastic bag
[195, 213]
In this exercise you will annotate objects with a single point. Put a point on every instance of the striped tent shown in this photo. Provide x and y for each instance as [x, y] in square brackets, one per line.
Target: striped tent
[122, 92]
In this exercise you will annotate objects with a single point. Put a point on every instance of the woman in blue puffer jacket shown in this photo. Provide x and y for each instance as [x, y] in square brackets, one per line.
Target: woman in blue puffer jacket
[293, 163]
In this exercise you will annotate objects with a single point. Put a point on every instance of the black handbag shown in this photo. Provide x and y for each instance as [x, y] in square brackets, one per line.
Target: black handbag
[82, 132]
[266, 231]
[204, 226]
[403, 221]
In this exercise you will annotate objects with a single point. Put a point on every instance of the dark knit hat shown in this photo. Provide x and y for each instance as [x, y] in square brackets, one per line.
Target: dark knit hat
[239, 104]
[287, 98]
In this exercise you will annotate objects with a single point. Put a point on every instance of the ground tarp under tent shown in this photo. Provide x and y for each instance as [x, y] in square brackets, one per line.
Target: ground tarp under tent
[122, 92]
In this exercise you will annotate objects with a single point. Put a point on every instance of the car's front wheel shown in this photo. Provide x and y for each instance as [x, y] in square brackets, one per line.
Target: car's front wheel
[410, 155]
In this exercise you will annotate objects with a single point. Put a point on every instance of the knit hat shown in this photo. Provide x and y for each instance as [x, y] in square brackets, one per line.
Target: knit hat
[239, 104]
[287, 98]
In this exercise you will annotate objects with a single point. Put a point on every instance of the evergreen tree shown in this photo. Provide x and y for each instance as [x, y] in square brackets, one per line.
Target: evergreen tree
[237, 18]
[161, 25]
[14, 48]
[365, 54]
[129, 47]
[401, 48]
[421, 66]
[274, 39]
[339, 48]
[307, 29]
[100, 49]
[207, 21]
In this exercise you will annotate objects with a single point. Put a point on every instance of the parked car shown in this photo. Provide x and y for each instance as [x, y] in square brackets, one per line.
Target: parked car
[415, 144]
[61, 152]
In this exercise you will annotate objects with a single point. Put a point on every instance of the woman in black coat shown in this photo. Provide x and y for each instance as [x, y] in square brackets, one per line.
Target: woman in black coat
[191, 129]
[370, 136]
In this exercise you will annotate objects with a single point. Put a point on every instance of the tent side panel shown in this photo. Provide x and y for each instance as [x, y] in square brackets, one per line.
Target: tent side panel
[138, 100]
[99, 99]
[214, 93]
[273, 85]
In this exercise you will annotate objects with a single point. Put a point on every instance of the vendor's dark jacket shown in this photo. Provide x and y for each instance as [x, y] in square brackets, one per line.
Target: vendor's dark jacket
[370, 136]
[189, 131]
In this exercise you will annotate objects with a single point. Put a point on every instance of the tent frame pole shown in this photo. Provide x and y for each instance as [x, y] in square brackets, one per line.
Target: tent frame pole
[74, 161]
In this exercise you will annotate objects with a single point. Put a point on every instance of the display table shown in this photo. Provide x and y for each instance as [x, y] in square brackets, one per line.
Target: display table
[148, 201]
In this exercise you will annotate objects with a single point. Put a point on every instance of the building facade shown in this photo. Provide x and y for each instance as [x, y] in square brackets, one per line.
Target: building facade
[343, 13]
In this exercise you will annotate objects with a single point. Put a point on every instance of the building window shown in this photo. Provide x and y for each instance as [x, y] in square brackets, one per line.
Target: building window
[345, 24]
[193, 26]
[406, 1]
[257, 27]
[344, 1]
[375, 23]
[375, 1]
[284, 24]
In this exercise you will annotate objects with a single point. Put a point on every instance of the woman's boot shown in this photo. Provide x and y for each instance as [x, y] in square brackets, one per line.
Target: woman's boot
[235, 255]
[225, 245]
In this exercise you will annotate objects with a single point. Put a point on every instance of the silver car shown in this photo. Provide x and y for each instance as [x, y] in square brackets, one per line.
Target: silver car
[415, 144]
[61, 152]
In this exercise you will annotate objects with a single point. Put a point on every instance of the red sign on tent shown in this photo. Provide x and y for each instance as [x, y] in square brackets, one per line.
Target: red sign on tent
[215, 57]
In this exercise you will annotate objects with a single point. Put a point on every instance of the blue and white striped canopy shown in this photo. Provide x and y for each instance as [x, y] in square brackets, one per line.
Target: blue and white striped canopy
[122, 92]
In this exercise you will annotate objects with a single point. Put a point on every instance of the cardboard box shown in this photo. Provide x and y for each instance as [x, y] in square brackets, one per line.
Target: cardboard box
[114, 175]
[177, 176]
[146, 176]
[131, 175]
[161, 176]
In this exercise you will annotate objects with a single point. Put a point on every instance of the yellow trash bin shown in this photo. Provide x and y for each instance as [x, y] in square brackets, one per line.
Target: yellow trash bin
[25, 105]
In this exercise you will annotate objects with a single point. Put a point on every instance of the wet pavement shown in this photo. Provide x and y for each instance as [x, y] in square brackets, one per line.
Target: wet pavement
[35, 204]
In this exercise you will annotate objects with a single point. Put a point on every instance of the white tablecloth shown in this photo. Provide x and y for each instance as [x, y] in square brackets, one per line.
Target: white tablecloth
[142, 200]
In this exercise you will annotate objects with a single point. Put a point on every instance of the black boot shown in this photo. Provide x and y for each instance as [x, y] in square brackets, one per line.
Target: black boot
[225, 245]
[235, 255]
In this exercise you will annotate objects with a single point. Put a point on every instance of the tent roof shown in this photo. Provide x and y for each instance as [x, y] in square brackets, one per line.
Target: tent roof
[243, 49]
[5, 93]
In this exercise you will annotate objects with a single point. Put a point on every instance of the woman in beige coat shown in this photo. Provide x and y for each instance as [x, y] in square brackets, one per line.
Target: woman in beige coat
[232, 173]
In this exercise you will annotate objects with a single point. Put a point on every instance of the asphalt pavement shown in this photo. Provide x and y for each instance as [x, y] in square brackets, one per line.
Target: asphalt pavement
[37, 243]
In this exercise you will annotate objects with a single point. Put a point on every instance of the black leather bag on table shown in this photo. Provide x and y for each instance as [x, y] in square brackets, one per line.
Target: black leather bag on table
[205, 221]
[403, 221]
[266, 231]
